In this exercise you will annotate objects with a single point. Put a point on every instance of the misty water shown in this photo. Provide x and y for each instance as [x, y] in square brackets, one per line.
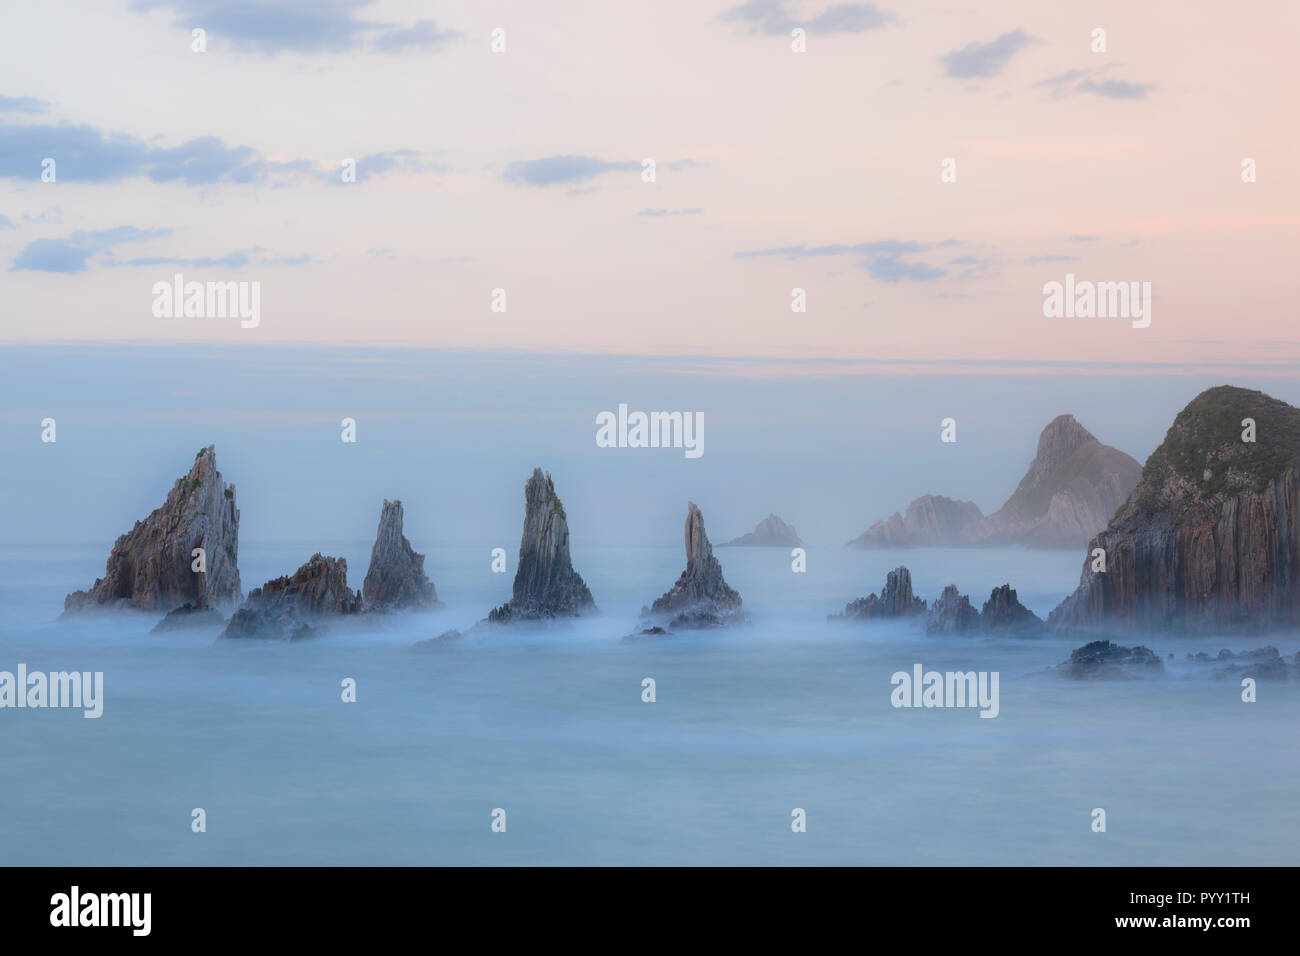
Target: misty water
[548, 724]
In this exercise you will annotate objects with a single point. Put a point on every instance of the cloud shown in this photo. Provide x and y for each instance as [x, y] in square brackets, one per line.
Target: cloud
[882, 259]
[1074, 82]
[22, 104]
[555, 170]
[73, 253]
[299, 26]
[54, 215]
[7, 223]
[694, 211]
[1083, 238]
[985, 59]
[1037, 260]
[775, 18]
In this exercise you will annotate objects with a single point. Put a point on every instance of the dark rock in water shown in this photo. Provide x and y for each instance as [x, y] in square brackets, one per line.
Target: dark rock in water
[896, 600]
[396, 577]
[952, 613]
[546, 586]
[1209, 541]
[771, 532]
[443, 638]
[1102, 660]
[648, 633]
[1004, 612]
[293, 608]
[701, 597]
[151, 567]
[187, 616]
[1263, 663]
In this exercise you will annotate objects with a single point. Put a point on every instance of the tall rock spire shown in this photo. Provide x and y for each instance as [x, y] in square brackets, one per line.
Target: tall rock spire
[396, 577]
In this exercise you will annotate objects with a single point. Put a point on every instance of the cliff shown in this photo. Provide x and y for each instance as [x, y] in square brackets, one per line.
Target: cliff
[1210, 538]
[931, 521]
[771, 532]
[396, 577]
[700, 597]
[150, 567]
[546, 585]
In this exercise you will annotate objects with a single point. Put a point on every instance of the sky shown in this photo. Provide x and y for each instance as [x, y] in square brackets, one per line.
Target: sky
[522, 170]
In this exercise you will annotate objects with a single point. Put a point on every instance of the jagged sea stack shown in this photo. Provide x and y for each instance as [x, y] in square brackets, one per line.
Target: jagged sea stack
[1210, 538]
[546, 585]
[151, 566]
[291, 608]
[952, 613]
[700, 598]
[896, 600]
[396, 577]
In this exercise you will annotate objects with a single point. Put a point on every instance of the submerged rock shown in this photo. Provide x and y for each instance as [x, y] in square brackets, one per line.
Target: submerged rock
[771, 532]
[396, 578]
[952, 613]
[546, 585]
[189, 616]
[151, 566]
[701, 597]
[1102, 660]
[648, 633]
[293, 608]
[1004, 612]
[896, 600]
[1209, 541]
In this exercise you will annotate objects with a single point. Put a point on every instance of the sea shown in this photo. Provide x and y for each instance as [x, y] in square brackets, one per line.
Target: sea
[774, 743]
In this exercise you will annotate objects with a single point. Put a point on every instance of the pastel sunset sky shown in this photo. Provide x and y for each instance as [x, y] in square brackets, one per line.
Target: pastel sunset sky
[521, 170]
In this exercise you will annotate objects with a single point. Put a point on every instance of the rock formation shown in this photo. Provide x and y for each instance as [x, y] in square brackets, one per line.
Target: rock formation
[896, 600]
[396, 577]
[151, 566]
[1072, 487]
[700, 598]
[952, 613]
[771, 532]
[1102, 660]
[546, 586]
[1004, 612]
[932, 521]
[1209, 541]
[188, 616]
[292, 608]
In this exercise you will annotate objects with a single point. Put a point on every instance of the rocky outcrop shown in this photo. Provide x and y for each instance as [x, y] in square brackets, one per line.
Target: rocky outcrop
[546, 586]
[1003, 612]
[1263, 663]
[771, 532]
[189, 616]
[1209, 541]
[1102, 660]
[931, 521]
[701, 597]
[896, 600]
[952, 613]
[396, 578]
[151, 566]
[293, 608]
[1072, 487]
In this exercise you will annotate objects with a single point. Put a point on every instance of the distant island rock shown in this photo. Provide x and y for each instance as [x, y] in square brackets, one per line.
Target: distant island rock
[546, 585]
[700, 597]
[1072, 487]
[151, 566]
[896, 600]
[771, 532]
[1209, 541]
[396, 578]
[296, 607]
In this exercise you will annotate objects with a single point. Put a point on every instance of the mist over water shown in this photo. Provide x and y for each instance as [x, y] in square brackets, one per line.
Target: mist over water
[548, 723]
